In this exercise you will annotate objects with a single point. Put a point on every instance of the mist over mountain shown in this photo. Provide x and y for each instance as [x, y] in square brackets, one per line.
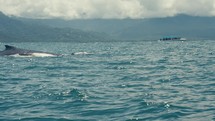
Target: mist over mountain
[87, 30]
[14, 30]
[191, 27]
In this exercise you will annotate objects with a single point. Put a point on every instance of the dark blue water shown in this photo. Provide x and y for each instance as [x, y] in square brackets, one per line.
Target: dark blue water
[125, 81]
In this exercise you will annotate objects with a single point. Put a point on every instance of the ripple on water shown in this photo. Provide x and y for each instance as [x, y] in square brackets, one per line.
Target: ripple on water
[120, 81]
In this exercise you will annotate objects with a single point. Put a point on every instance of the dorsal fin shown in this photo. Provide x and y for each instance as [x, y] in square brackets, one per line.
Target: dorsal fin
[8, 47]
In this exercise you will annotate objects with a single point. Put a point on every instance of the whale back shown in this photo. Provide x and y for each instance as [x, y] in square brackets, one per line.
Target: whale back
[14, 51]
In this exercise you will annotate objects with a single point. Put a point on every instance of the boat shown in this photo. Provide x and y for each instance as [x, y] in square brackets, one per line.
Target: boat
[170, 38]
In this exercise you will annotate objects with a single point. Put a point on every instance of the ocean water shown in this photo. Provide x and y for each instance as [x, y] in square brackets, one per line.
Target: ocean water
[110, 81]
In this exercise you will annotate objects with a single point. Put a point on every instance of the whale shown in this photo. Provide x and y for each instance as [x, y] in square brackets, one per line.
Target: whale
[14, 51]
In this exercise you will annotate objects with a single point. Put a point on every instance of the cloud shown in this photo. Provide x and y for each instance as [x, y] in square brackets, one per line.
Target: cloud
[77, 9]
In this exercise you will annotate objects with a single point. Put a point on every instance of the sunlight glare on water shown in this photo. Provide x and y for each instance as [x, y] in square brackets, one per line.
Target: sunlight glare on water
[117, 81]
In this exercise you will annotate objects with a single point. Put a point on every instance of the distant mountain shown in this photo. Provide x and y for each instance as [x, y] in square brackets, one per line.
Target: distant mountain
[14, 30]
[192, 27]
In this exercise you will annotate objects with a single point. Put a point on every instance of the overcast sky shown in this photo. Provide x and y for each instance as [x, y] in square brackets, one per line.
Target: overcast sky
[78, 9]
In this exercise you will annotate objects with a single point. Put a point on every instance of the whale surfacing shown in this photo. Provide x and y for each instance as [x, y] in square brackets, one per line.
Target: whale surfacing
[18, 52]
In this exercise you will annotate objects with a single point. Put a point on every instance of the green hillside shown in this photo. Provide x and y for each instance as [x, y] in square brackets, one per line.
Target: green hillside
[13, 30]
[192, 27]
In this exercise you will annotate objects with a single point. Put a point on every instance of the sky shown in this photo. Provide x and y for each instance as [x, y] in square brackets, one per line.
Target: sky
[106, 9]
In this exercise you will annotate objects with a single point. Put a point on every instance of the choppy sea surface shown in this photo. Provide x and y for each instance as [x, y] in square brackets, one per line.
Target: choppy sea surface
[110, 81]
